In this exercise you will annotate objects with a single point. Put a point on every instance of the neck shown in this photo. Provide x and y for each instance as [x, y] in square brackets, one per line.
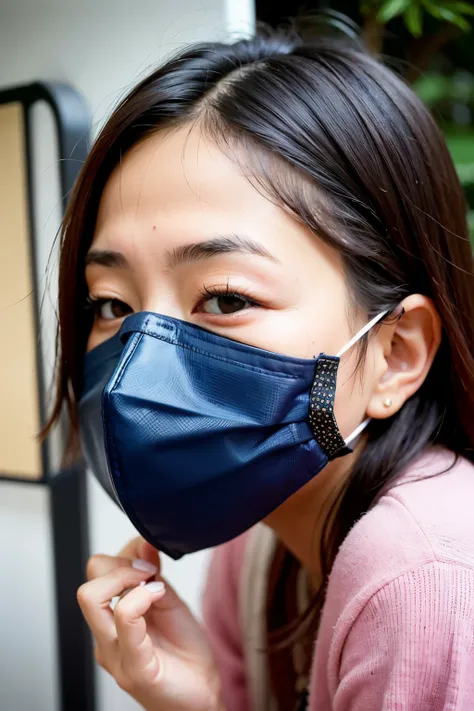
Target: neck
[299, 522]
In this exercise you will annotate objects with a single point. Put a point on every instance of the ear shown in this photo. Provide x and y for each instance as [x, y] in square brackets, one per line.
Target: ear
[404, 353]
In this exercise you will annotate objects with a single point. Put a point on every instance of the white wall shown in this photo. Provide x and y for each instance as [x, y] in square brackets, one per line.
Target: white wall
[101, 47]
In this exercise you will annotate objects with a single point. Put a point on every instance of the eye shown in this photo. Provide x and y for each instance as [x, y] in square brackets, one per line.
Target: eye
[109, 309]
[225, 303]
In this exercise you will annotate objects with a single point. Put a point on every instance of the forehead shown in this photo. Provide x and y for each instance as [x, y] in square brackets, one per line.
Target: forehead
[178, 186]
[180, 169]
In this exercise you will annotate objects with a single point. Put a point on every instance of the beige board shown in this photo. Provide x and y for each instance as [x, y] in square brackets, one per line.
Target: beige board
[20, 454]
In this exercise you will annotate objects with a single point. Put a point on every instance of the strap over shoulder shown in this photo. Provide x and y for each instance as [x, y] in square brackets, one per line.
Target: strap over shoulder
[258, 557]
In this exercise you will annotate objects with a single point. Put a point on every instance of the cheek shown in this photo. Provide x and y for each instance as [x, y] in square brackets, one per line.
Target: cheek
[312, 327]
[98, 336]
[93, 341]
[354, 386]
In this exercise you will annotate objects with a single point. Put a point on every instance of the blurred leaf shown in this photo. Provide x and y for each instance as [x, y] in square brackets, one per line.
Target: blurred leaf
[457, 20]
[392, 8]
[444, 12]
[432, 88]
[470, 223]
[414, 20]
[461, 8]
[461, 147]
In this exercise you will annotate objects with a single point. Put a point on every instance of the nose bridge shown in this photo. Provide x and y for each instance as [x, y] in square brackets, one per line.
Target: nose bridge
[164, 307]
[158, 294]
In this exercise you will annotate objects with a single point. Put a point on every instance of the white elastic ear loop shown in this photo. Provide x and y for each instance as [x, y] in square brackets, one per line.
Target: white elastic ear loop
[361, 333]
[358, 430]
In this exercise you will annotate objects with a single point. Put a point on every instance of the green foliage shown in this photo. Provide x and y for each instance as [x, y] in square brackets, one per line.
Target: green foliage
[413, 17]
[461, 146]
[412, 11]
[441, 92]
[470, 222]
[450, 96]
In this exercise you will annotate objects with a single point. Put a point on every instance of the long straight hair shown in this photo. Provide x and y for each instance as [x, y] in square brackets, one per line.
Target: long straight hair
[346, 146]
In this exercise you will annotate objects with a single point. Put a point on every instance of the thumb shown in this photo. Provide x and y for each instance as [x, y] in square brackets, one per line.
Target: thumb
[176, 622]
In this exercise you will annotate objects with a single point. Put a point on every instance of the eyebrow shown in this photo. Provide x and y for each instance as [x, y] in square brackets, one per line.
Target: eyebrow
[225, 244]
[106, 258]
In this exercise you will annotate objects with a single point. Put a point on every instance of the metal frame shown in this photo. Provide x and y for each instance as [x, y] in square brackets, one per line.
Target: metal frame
[68, 501]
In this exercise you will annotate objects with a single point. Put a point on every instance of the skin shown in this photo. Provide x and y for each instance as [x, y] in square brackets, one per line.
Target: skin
[177, 189]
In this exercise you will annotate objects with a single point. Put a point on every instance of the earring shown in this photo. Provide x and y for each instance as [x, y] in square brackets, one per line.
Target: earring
[387, 402]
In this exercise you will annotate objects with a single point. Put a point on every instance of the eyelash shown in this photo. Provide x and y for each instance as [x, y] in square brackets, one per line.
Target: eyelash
[95, 304]
[92, 304]
[212, 291]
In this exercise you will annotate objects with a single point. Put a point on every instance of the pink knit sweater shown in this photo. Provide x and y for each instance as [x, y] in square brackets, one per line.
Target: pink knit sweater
[397, 630]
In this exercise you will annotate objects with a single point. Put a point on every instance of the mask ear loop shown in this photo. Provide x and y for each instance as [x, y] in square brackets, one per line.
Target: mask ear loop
[357, 431]
[347, 347]
[362, 333]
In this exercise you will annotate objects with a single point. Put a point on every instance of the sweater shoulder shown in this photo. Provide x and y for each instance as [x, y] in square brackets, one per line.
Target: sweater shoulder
[424, 518]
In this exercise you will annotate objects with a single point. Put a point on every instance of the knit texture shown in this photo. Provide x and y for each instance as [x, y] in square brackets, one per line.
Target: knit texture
[397, 628]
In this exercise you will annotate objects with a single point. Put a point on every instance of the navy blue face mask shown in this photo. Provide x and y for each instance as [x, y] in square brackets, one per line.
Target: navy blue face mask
[199, 437]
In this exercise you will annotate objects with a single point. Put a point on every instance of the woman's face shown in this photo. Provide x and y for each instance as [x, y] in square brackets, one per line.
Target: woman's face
[182, 232]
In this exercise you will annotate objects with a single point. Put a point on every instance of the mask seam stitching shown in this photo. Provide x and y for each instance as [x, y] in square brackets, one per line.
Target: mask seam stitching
[207, 336]
[111, 439]
[255, 368]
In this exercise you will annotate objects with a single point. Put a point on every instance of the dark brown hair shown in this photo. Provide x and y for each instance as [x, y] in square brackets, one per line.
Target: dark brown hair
[345, 145]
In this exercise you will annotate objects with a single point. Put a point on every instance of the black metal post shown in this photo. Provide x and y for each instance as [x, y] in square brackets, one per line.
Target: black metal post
[71, 550]
[68, 502]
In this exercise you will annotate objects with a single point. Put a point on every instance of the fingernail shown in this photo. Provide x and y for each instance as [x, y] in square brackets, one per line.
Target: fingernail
[144, 566]
[156, 586]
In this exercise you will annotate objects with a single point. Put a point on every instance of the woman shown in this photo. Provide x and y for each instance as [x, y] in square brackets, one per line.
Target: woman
[246, 208]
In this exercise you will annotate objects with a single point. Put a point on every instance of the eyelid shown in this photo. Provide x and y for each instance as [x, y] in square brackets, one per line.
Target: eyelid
[241, 293]
[95, 304]
[93, 299]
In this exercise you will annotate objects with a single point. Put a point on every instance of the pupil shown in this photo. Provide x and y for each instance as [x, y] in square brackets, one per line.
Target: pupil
[118, 308]
[230, 304]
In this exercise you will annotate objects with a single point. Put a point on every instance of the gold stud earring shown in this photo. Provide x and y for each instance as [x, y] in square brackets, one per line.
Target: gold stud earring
[387, 402]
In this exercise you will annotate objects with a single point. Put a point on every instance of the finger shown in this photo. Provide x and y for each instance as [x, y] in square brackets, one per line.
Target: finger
[94, 599]
[139, 548]
[138, 655]
[105, 659]
[148, 552]
[100, 565]
[173, 618]
[130, 549]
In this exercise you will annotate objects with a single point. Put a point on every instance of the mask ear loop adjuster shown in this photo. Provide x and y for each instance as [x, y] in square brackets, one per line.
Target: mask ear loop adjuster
[323, 392]
[321, 408]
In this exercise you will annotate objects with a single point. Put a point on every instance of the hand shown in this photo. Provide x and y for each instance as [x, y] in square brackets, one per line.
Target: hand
[150, 643]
